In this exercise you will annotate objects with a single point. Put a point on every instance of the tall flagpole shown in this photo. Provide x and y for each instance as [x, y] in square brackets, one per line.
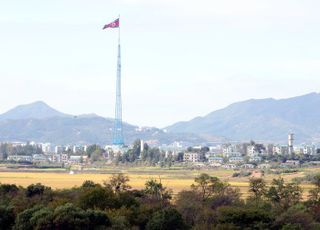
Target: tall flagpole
[118, 132]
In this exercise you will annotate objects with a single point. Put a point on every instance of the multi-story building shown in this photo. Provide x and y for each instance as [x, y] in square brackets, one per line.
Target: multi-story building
[309, 150]
[251, 151]
[56, 158]
[78, 149]
[213, 159]
[236, 160]
[38, 158]
[20, 158]
[255, 159]
[75, 159]
[233, 154]
[59, 149]
[64, 158]
[46, 147]
[191, 157]
[227, 149]
[280, 149]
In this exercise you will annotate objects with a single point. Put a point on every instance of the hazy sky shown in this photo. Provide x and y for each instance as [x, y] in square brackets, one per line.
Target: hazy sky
[180, 58]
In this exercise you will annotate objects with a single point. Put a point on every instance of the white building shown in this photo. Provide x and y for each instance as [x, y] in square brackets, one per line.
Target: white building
[309, 150]
[248, 166]
[213, 159]
[75, 159]
[229, 166]
[37, 158]
[236, 160]
[280, 149]
[233, 154]
[255, 159]
[78, 149]
[20, 158]
[46, 147]
[264, 166]
[59, 149]
[56, 158]
[64, 158]
[251, 151]
[227, 149]
[191, 157]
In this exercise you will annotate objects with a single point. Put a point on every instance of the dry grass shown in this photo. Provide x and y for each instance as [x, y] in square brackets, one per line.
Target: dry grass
[176, 180]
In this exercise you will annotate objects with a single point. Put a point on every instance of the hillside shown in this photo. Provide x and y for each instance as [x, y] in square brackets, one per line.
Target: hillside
[36, 110]
[263, 119]
[40, 123]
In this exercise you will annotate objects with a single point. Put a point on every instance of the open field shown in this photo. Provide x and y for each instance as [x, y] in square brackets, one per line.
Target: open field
[175, 179]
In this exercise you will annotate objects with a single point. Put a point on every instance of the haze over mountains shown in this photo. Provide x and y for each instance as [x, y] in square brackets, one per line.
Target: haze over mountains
[41, 123]
[262, 119]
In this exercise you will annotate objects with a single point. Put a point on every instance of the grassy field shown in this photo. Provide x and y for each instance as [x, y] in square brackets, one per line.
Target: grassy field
[175, 179]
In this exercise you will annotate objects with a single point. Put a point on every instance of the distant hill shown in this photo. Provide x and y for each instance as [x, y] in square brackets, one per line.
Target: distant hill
[263, 119]
[36, 110]
[41, 123]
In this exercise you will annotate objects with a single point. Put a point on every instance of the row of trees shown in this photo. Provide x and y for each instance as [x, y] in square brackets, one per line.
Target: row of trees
[151, 156]
[209, 204]
[8, 149]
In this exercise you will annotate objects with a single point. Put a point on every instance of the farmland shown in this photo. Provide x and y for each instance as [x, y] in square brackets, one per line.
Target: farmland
[176, 179]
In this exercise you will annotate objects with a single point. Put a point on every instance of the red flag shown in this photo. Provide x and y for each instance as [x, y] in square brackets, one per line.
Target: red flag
[114, 24]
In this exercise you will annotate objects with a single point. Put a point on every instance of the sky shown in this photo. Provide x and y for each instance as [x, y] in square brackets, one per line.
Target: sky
[180, 58]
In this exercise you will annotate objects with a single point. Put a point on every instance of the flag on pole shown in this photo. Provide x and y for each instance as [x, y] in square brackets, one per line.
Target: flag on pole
[114, 24]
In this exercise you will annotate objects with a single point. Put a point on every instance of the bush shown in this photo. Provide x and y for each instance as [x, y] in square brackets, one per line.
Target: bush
[242, 174]
[167, 219]
[6, 217]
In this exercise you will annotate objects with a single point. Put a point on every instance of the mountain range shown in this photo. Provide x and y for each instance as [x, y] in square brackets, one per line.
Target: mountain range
[40, 123]
[263, 119]
[255, 119]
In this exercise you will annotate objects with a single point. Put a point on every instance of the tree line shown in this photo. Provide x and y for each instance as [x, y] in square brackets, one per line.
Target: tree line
[209, 204]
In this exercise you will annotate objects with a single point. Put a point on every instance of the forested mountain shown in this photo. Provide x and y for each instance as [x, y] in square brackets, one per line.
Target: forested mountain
[263, 119]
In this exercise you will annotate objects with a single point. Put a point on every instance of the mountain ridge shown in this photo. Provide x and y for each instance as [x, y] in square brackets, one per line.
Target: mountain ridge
[39, 122]
[37, 110]
[264, 119]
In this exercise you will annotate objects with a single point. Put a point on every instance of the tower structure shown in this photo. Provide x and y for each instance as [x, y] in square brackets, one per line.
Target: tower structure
[290, 143]
[117, 129]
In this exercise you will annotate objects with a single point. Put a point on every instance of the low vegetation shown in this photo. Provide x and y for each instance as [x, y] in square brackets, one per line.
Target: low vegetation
[208, 204]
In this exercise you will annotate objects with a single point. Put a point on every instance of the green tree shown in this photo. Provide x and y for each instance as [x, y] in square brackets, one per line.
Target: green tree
[189, 204]
[244, 218]
[314, 194]
[207, 186]
[157, 190]
[119, 183]
[98, 219]
[69, 217]
[92, 148]
[23, 218]
[89, 184]
[167, 219]
[284, 195]
[96, 155]
[36, 189]
[7, 217]
[97, 198]
[258, 188]
[296, 217]
[42, 219]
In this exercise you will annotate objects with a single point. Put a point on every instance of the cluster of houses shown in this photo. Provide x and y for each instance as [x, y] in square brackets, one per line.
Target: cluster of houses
[49, 158]
[52, 154]
[230, 156]
[247, 155]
